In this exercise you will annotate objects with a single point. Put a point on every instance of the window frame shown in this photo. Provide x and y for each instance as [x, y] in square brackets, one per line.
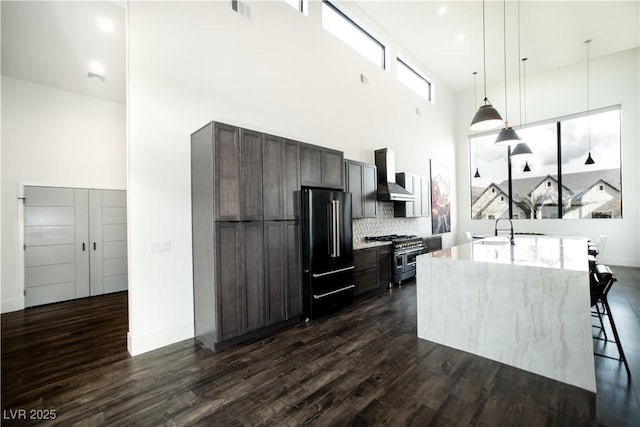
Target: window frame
[560, 214]
[412, 69]
[383, 60]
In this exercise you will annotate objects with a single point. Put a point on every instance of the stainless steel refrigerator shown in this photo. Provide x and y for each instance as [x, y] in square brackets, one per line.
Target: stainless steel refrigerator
[327, 251]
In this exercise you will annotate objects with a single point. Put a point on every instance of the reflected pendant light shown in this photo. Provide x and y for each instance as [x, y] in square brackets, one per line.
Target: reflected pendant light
[475, 96]
[526, 167]
[507, 134]
[589, 160]
[522, 149]
[487, 117]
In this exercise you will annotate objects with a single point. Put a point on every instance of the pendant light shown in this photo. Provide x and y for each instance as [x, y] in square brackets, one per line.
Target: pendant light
[475, 96]
[487, 117]
[522, 148]
[526, 167]
[507, 134]
[589, 160]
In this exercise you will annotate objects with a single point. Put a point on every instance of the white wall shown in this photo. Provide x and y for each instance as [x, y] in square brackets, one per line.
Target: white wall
[280, 72]
[56, 138]
[615, 79]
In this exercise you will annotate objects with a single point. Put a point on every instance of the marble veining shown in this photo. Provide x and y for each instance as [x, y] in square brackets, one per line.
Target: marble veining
[528, 309]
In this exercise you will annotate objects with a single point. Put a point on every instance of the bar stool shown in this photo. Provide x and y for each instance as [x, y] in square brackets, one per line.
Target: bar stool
[601, 281]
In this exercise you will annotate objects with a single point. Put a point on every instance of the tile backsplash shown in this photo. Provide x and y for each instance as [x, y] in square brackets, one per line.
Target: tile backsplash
[386, 223]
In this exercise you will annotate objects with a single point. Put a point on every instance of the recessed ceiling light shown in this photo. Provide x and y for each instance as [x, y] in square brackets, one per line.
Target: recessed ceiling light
[105, 24]
[442, 11]
[96, 67]
[461, 36]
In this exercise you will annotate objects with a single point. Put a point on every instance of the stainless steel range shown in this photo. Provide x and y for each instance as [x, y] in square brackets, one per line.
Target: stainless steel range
[405, 250]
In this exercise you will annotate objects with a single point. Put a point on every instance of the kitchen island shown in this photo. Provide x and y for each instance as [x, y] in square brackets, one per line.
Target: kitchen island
[526, 305]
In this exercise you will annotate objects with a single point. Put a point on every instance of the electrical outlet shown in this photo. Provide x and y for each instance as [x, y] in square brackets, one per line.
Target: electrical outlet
[160, 246]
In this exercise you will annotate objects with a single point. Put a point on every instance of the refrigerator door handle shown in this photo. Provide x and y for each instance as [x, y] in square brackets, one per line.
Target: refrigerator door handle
[334, 244]
[337, 216]
[328, 273]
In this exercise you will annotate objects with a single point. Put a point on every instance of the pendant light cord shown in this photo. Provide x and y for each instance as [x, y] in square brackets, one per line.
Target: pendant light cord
[504, 20]
[588, 103]
[475, 100]
[519, 71]
[524, 89]
[484, 53]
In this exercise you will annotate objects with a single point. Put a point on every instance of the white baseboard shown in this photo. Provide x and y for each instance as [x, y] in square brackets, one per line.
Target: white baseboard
[138, 343]
[9, 305]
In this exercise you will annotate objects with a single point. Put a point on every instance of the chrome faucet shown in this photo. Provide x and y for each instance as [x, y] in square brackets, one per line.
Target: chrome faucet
[496, 229]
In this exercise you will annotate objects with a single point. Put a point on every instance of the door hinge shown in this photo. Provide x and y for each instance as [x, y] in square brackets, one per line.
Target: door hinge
[23, 199]
[24, 293]
[24, 247]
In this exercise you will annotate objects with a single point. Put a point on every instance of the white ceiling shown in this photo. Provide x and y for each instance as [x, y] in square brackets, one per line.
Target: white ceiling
[552, 34]
[52, 43]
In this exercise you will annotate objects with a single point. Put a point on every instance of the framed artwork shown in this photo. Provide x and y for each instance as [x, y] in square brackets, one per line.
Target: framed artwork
[440, 197]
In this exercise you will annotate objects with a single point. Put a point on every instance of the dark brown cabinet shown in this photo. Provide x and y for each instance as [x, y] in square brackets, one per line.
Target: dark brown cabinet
[239, 278]
[237, 172]
[360, 181]
[247, 272]
[365, 274]
[321, 167]
[282, 247]
[419, 187]
[281, 178]
[385, 259]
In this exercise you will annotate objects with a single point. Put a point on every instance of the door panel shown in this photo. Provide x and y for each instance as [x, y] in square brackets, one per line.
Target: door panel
[332, 169]
[275, 280]
[116, 249]
[227, 173]
[113, 215]
[253, 245]
[55, 235]
[115, 283]
[272, 178]
[54, 229]
[48, 215]
[96, 238]
[293, 245]
[45, 255]
[49, 274]
[50, 293]
[251, 165]
[228, 290]
[291, 180]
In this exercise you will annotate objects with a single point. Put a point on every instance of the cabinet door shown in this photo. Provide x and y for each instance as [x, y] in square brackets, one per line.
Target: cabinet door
[369, 191]
[332, 169]
[311, 165]
[251, 174]
[354, 172]
[253, 278]
[275, 273]
[272, 177]
[227, 173]
[229, 281]
[384, 260]
[425, 197]
[291, 180]
[293, 241]
[416, 189]
[365, 274]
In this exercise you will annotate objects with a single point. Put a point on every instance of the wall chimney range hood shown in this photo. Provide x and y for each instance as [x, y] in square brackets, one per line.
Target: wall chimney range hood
[388, 189]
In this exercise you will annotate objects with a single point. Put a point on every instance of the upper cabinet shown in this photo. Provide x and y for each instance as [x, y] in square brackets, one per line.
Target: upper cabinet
[281, 178]
[321, 167]
[361, 183]
[419, 187]
[237, 173]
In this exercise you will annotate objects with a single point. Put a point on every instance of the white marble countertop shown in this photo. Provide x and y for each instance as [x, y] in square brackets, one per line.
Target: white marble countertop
[566, 253]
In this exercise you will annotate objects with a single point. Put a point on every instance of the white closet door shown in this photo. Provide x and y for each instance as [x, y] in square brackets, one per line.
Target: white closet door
[56, 246]
[108, 235]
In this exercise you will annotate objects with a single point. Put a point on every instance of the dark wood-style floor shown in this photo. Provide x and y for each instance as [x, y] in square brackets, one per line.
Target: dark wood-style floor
[363, 366]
